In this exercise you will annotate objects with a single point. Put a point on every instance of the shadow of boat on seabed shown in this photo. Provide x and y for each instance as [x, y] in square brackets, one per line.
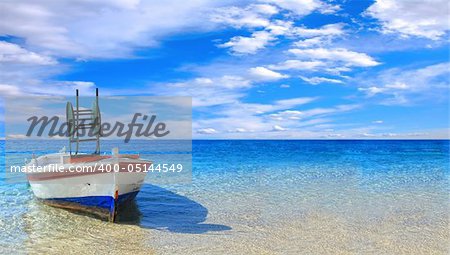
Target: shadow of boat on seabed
[159, 208]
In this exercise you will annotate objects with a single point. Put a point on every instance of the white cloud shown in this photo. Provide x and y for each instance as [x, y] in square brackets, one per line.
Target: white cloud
[278, 128]
[319, 37]
[314, 112]
[331, 110]
[227, 118]
[335, 135]
[105, 29]
[239, 108]
[239, 130]
[225, 81]
[207, 131]
[248, 45]
[11, 90]
[27, 73]
[14, 54]
[263, 74]
[427, 19]
[265, 9]
[294, 64]
[348, 58]
[114, 29]
[318, 80]
[326, 30]
[397, 85]
[272, 30]
[288, 103]
[337, 70]
[221, 90]
[262, 119]
[16, 136]
[312, 42]
[304, 7]
[54, 88]
[204, 91]
[408, 135]
[287, 115]
[404, 85]
[233, 82]
[280, 27]
[262, 122]
[377, 122]
[254, 15]
[372, 90]
[285, 86]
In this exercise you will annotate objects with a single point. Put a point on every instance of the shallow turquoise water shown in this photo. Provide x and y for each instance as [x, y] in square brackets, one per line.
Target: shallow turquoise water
[259, 197]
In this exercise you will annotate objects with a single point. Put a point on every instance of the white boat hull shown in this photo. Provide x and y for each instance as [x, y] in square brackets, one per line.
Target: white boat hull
[97, 192]
[104, 184]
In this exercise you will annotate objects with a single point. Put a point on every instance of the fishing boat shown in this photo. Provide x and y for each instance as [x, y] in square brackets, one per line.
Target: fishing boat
[95, 183]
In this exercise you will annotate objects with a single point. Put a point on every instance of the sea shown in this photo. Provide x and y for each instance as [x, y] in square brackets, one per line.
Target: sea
[255, 197]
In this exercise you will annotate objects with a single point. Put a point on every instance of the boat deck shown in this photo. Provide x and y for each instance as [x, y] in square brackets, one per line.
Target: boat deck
[85, 158]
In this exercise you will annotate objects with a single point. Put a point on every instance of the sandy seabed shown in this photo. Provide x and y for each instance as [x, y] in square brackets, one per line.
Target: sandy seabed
[259, 224]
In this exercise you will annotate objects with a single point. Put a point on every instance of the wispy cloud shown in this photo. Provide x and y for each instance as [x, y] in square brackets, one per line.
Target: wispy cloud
[253, 15]
[263, 74]
[228, 117]
[297, 65]
[206, 91]
[318, 80]
[249, 45]
[314, 112]
[11, 53]
[207, 131]
[305, 7]
[278, 128]
[344, 56]
[403, 86]
[61, 88]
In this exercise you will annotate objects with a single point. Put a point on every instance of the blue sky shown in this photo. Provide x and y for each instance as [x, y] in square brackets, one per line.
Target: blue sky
[283, 69]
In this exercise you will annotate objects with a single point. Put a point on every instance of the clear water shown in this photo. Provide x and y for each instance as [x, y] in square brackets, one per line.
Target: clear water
[260, 197]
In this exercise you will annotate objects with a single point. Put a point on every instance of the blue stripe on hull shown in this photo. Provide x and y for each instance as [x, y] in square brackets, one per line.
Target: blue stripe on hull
[97, 201]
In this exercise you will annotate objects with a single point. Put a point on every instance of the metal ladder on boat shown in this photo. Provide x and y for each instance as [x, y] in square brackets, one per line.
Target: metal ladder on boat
[83, 119]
